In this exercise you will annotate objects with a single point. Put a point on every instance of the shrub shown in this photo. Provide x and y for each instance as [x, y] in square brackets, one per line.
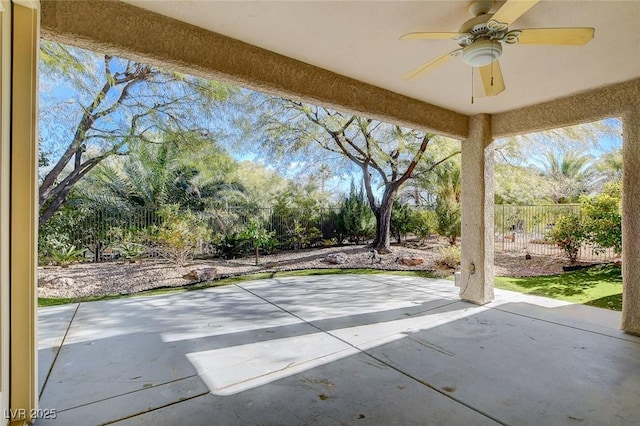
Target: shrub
[179, 234]
[230, 245]
[271, 246]
[299, 236]
[449, 225]
[355, 221]
[423, 223]
[298, 219]
[400, 220]
[569, 234]
[50, 244]
[603, 219]
[449, 256]
[56, 234]
[64, 256]
[327, 224]
[130, 244]
[258, 236]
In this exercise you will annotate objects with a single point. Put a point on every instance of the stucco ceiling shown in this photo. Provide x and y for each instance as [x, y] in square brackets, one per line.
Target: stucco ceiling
[359, 39]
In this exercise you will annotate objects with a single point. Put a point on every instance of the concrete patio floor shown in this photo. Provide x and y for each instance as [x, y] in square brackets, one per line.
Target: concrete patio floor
[336, 349]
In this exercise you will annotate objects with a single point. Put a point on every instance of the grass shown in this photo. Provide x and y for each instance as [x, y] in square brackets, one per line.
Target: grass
[42, 302]
[599, 286]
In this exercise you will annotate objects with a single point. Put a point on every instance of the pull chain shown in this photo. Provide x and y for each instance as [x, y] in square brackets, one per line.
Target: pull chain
[471, 85]
[492, 46]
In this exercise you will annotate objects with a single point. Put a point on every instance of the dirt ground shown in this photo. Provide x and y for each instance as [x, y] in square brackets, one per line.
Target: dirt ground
[98, 279]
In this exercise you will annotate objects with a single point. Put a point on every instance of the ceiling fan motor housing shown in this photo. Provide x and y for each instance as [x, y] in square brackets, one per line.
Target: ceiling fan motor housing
[480, 7]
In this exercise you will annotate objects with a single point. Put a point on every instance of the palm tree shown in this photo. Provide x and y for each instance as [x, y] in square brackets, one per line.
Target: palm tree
[609, 168]
[155, 175]
[570, 175]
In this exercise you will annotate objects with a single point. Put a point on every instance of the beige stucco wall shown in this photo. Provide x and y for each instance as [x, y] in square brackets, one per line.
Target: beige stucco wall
[631, 220]
[598, 104]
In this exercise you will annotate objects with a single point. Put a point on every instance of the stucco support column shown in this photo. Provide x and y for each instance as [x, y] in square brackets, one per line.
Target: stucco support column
[631, 220]
[23, 397]
[476, 283]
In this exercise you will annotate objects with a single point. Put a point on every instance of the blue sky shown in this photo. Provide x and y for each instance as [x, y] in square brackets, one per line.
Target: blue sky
[59, 119]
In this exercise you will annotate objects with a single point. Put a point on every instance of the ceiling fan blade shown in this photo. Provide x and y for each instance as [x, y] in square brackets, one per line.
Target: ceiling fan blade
[492, 79]
[557, 36]
[512, 10]
[416, 72]
[429, 36]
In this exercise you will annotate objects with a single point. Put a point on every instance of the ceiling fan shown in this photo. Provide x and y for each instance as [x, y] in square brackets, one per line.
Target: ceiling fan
[480, 40]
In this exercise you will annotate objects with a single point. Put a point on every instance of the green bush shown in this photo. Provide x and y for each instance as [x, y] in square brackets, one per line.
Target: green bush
[569, 234]
[355, 221]
[450, 256]
[423, 223]
[449, 225]
[179, 234]
[300, 236]
[49, 245]
[400, 220]
[56, 234]
[297, 215]
[231, 245]
[129, 243]
[603, 218]
[64, 256]
[258, 236]
[271, 246]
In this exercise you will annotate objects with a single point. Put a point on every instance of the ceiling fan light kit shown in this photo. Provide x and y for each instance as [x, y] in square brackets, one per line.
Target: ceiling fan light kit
[480, 39]
[481, 53]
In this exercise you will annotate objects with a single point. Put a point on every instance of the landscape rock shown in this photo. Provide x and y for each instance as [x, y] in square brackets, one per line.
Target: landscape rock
[201, 274]
[411, 261]
[336, 258]
[60, 283]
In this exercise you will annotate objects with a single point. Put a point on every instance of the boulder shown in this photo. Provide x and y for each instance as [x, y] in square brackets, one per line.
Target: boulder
[336, 258]
[201, 274]
[411, 261]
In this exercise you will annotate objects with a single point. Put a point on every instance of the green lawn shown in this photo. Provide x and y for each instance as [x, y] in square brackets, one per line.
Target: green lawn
[599, 286]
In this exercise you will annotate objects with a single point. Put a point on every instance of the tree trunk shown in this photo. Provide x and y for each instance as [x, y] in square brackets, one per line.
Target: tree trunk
[382, 243]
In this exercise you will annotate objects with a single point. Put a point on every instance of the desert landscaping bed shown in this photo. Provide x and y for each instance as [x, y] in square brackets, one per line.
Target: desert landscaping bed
[108, 278]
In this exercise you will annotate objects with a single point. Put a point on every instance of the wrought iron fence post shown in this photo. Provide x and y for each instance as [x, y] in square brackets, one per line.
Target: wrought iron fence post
[502, 230]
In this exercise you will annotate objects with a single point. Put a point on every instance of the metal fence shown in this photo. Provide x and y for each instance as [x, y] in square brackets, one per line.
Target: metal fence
[99, 230]
[317, 223]
[517, 228]
[525, 228]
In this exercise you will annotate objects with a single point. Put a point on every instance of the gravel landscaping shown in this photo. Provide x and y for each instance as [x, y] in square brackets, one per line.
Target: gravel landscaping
[99, 279]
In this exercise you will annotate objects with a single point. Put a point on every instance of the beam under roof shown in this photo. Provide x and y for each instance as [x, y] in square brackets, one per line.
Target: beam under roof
[594, 105]
[123, 30]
